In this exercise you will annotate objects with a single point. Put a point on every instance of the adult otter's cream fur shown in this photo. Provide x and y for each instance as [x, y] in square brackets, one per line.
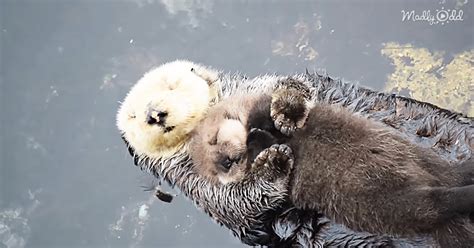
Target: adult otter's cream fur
[164, 106]
[354, 170]
[449, 134]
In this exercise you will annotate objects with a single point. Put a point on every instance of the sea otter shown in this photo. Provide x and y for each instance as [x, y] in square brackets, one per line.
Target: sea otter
[164, 106]
[449, 133]
[354, 170]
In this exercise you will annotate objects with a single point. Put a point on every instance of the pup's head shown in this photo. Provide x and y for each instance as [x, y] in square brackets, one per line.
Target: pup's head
[224, 145]
[162, 108]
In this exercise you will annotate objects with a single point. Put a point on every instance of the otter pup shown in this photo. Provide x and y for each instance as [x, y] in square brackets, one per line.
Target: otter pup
[354, 170]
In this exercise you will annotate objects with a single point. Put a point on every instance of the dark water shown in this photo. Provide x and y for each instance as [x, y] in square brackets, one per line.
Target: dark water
[66, 179]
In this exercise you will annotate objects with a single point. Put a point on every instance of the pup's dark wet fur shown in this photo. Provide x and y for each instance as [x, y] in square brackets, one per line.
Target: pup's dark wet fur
[356, 171]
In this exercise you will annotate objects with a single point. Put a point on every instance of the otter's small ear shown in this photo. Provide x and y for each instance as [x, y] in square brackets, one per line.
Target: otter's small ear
[209, 75]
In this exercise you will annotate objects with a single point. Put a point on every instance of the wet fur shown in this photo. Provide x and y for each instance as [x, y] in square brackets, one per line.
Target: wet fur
[450, 134]
[354, 170]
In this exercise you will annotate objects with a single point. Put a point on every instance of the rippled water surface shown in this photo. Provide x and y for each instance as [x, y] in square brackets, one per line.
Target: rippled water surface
[66, 179]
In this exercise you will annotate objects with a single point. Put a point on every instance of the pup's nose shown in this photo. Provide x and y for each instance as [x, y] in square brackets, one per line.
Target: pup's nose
[156, 117]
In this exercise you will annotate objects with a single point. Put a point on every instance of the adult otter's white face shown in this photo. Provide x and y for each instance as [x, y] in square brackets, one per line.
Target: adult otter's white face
[164, 106]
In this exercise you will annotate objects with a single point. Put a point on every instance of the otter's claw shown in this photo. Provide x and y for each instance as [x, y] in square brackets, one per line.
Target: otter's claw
[289, 110]
[261, 158]
[278, 157]
[284, 125]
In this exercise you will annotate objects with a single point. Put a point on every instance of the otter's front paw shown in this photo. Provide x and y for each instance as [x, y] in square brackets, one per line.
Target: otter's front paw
[278, 158]
[289, 110]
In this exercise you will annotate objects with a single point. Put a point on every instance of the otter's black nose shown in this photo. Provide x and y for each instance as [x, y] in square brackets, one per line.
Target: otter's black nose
[156, 117]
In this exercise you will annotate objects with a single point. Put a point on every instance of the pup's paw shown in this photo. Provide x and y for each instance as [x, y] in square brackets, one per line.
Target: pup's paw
[278, 158]
[289, 110]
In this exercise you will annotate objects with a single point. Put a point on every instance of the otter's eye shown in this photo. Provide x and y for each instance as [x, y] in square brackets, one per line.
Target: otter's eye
[228, 162]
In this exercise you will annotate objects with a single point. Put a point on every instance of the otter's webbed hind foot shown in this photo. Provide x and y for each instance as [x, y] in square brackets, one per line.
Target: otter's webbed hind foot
[290, 105]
